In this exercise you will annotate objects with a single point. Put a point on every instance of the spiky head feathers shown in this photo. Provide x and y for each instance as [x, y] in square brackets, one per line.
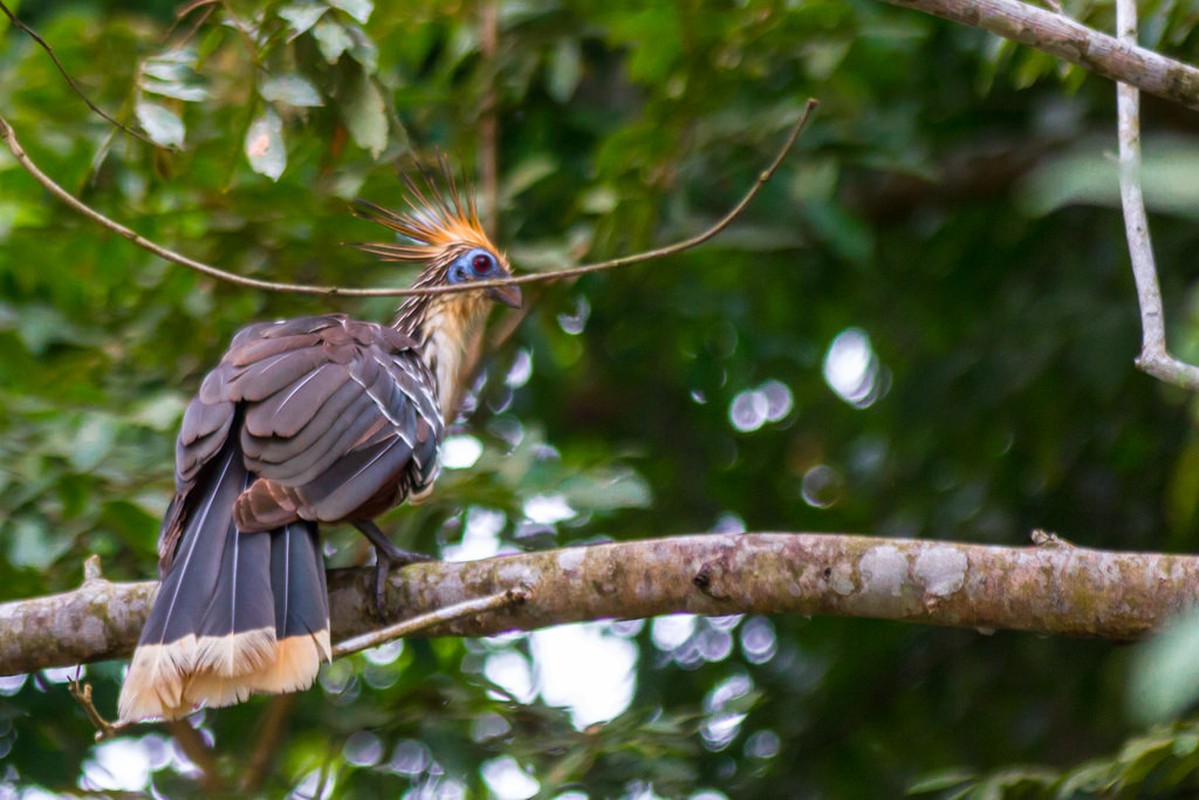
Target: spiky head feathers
[441, 222]
[447, 239]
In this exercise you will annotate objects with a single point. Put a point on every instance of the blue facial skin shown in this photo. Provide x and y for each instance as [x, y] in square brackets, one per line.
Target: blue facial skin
[477, 264]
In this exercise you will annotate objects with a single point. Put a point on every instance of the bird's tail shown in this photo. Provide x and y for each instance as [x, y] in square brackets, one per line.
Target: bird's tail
[236, 613]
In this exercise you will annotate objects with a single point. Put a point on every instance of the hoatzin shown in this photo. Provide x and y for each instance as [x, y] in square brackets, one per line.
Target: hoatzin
[304, 421]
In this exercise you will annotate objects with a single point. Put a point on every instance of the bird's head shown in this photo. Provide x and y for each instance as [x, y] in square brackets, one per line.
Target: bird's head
[445, 237]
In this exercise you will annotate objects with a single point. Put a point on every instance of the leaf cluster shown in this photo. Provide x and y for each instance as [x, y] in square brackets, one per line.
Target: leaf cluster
[923, 327]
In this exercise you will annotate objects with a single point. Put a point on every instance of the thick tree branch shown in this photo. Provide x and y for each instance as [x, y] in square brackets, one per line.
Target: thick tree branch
[1054, 588]
[1060, 36]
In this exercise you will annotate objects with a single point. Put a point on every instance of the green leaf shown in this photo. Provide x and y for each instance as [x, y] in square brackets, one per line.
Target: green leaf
[607, 489]
[93, 441]
[358, 9]
[564, 70]
[41, 326]
[170, 71]
[1091, 777]
[301, 16]
[187, 92]
[364, 51]
[13, 215]
[1186, 743]
[292, 90]
[843, 232]
[176, 64]
[544, 256]
[601, 199]
[366, 116]
[1087, 176]
[1165, 673]
[161, 124]
[161, 411]
[32, 544]
[940, 781]
[525, 174]
[332, 39]
[1142, 755]
[264, 145]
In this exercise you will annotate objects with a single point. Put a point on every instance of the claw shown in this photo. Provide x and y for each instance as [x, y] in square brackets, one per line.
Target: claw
[382, 567]
[387, 555]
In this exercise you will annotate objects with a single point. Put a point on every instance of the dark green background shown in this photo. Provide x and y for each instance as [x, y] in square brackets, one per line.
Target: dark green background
[952, 200]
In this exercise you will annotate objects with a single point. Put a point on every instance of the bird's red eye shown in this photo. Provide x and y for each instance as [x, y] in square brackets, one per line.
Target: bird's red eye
[482, 263]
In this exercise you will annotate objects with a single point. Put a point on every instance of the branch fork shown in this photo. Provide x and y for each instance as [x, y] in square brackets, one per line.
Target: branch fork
[1155, 358]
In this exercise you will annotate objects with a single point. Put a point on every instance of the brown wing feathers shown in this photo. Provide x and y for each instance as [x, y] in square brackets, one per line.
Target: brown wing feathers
[306, 420]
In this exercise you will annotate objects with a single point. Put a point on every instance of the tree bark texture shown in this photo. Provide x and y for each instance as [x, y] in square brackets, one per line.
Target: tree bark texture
[1052, 589]
[1060, 36]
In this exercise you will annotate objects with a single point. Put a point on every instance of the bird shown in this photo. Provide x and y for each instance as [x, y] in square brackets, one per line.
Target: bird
[318, 419]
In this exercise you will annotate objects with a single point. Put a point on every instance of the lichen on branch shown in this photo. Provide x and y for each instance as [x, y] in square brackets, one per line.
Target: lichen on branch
[1054, 588]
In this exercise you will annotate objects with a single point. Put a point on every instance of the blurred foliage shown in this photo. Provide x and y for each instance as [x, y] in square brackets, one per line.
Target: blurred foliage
[1163, 762]
[924, 326]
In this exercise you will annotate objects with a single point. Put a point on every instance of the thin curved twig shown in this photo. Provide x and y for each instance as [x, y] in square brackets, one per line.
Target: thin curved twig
[75, 87]
[420, 622]
[1154, 358]
[454, 612]
[9, 138]
[82, 692]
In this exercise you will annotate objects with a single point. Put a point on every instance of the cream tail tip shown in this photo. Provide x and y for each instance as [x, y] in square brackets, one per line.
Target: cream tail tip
[171, 681]
[297, 661]
[154, 685]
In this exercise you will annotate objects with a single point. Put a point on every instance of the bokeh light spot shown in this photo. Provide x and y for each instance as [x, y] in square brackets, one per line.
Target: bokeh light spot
[852, 370]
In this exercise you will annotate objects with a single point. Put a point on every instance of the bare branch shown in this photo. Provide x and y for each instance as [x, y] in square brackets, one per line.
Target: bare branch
[1154, 359]
[421, 622]
[9, 138]
[1051, 590]
[1071, 41]
[181, 14]
[42, 43]
[82, 692]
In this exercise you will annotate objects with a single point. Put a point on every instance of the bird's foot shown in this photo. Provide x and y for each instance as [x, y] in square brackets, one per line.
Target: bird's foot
[385, 560]
[387, 556]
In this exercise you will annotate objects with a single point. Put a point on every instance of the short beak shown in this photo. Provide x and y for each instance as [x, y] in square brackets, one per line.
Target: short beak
[508, 295]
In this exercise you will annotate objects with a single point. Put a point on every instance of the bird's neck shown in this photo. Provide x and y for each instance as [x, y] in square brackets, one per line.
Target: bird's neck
[443, 327]
[410, 314]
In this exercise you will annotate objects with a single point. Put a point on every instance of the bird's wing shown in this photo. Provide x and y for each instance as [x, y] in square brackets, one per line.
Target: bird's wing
[335, 418]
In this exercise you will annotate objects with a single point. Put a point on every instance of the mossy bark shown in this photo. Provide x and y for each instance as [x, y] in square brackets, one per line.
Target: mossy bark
[1050, 589]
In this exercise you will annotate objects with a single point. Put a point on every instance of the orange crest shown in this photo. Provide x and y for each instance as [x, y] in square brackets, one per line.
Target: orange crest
[442, 220]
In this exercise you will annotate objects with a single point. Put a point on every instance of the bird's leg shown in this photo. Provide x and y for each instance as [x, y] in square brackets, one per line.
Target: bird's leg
[387, 555]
